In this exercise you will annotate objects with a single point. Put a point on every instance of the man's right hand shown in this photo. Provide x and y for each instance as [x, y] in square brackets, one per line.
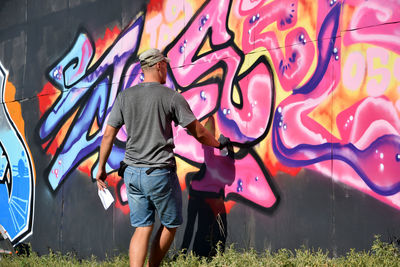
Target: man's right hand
[223, 141]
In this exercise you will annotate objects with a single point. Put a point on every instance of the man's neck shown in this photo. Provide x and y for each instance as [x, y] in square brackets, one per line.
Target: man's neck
[151, 77]
[150, 81]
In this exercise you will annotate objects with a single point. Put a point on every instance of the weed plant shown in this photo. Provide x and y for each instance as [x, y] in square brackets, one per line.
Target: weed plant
[380, 254]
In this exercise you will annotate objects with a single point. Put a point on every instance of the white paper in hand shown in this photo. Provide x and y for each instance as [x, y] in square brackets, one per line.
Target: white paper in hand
[106, 198]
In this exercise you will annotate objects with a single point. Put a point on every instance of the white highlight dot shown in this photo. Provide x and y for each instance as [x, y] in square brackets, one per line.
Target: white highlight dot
[381, 167]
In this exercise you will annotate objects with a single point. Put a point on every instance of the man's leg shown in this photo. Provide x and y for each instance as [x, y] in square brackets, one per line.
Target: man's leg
[138, 246]
[161, 243]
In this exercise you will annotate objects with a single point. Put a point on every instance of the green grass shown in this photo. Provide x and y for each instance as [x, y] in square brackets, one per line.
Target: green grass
[380, 254]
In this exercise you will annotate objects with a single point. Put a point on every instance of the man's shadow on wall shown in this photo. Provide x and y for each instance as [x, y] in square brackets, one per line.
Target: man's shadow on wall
[206, 200]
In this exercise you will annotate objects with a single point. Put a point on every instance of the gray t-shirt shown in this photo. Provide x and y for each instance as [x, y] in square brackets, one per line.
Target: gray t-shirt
[147, 110]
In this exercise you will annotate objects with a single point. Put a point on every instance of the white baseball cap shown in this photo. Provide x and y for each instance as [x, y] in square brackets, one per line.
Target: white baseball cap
[151, 56]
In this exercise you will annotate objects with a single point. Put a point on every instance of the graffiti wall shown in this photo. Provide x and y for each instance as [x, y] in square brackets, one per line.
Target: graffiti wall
[308, 92]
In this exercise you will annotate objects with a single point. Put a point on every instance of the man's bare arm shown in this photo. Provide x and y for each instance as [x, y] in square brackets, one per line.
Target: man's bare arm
[202, 134]
[105, 150]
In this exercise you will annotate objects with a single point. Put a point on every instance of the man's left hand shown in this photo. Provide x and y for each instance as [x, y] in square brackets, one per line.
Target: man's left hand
[100, 179]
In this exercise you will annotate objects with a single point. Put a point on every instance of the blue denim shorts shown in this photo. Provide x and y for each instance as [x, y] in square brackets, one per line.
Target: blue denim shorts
[157, 192]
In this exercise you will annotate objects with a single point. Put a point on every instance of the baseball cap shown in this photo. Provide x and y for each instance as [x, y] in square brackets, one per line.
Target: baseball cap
[150, 57]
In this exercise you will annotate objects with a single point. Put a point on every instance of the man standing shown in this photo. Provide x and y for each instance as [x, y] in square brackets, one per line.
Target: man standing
[148, 110]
